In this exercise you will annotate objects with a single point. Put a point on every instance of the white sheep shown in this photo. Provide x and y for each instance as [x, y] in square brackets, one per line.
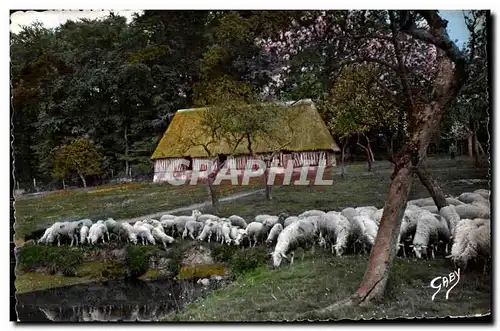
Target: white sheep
[70, 230]
[453, 201]
[238, 221]
[313, 212]
[225, 229]
[273, 234]
[128, 231]
[144, 234]
[377, 216]
[422, 202]
[298, 234]
[484, 193]
[432, 208]
[255, 231]
[452, 218]
[160, 236]
[469, 197]
[112, 227]
[168, 225]
[261, 218]
[97, 231]
[237, 235]
[473, 239]
[167, 217]
[205, 217]
[370, 229]
[426, 235]
[470, 211]
[334, 228]
[84, 231]
[368, 211]
[406, 231]
[192, 229]
[209, 230]
[50, 235]
[349, 213]
[87, 222]
[180, 221]
[289, 220]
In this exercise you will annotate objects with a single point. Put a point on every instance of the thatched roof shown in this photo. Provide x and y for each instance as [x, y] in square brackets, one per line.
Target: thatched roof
[302, 128]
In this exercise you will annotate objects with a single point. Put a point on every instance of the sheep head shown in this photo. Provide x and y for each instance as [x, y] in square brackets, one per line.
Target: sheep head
[339, 249]
[278, 258]
[196, 213]
[419, 250]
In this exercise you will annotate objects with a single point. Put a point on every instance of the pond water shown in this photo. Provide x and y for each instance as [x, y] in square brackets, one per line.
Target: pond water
[114, 300]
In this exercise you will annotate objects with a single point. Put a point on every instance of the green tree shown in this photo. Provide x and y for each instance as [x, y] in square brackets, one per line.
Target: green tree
[80, 156]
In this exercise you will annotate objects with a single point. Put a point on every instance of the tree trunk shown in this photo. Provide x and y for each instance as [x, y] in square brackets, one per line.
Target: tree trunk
[369, 147]
[469, 144]
[342, 156]
[83, 180]
[432, 186]
[268, 187]
[386, 243]
[127, 168]
[480, 148]
[213, 194]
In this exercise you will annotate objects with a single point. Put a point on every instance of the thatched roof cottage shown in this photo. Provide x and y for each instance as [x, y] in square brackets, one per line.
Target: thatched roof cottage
[308, 142]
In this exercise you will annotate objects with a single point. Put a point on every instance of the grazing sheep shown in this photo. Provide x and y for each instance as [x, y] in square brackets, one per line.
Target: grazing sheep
[333, 228]
[144, 224]
[205, 217]
[70, 230]
[270, 222]
[469, 197]
[426, 235]
[273, 234]
[192, 229]
[167, 217]
[473, 239]
[484, 193]
[168, 225]
[209, 230]
[127, 230]
[256, 231]
[144, 234]
[51, 234]
[87, 222]
[368, 211]
[453, 201]
[298, 234]
[313, 212]
[97, 231]
[289, 220]
[422, 202]
[261, 218]
[452, 218]
[406, 232]
[159, 236]
[225, 229]
[238, 221]
[238, 235]
[180, 221]
[349, 213]
[482, 204]
[432, 208]
[84, 231]
[470, 211]
[370, 229]
[112, 227]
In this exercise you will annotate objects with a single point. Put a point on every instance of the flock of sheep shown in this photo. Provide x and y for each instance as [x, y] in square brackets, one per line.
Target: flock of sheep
[463, 225]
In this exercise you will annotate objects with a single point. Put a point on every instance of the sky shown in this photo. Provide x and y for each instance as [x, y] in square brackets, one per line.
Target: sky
[51, 19]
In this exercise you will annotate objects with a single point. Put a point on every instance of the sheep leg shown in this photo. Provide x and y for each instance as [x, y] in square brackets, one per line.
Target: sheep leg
[332, 247]
[58, 241]
[303, 253]
[291, 259]
[72, 239]
[432, 253]
[191, 235]
[255, 243]
[404, 251]
[312, 249]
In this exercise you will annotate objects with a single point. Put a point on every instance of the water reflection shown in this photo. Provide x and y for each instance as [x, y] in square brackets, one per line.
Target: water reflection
[109, 301]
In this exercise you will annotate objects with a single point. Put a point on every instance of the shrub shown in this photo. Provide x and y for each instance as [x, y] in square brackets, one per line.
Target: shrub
[247, 260]
[137, 260]
[53, 258]
[222, 253]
